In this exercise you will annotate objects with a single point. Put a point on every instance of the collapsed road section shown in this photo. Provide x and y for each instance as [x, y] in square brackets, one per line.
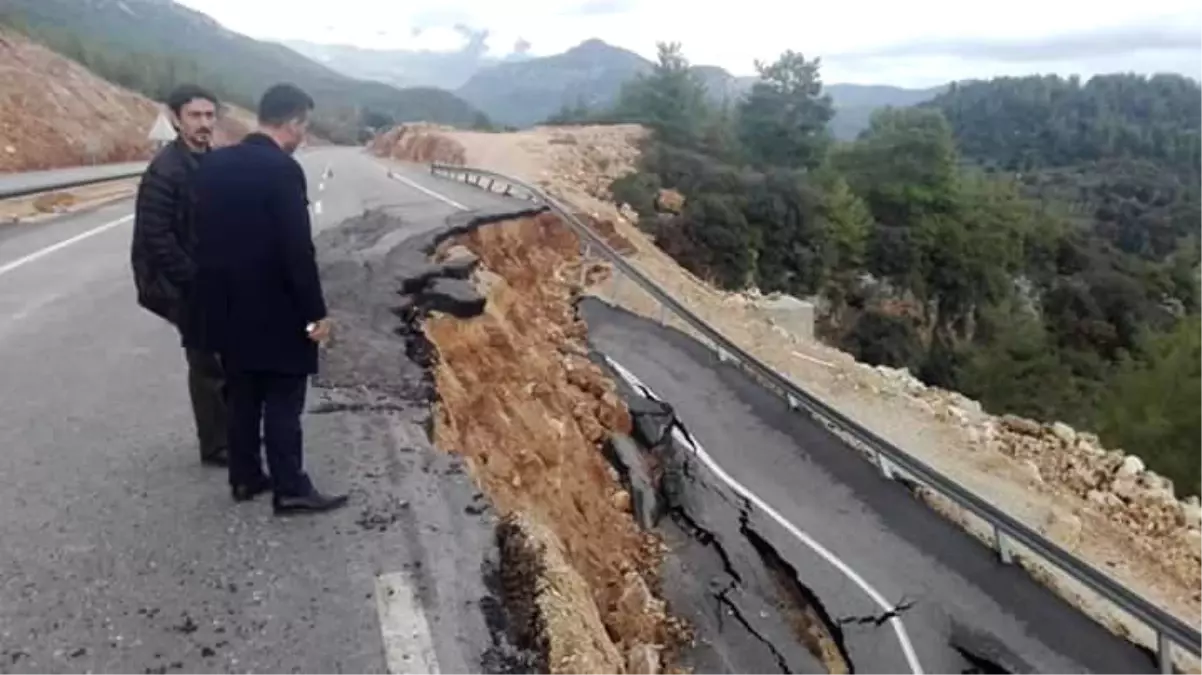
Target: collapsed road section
[962, 608]
[594, 565]
[613, 548]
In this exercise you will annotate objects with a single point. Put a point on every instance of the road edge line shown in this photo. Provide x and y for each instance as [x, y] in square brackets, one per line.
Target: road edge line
[408, 644]
[421, 188]
[41, 253]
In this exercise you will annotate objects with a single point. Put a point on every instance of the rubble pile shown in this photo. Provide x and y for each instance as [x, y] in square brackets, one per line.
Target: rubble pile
[418, 142]
[589, 159]
[1111, 483]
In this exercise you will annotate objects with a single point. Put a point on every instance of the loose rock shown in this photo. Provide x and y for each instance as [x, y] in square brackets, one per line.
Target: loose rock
[1132, 466]
[643, 659]
[1021, 425]
[1065, 433]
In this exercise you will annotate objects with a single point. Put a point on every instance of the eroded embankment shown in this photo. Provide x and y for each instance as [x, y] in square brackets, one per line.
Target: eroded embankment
[587, 480]
[519, 399]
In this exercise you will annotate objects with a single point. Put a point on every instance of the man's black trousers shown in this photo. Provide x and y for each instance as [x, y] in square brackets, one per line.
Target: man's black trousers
[206, 387]
[273, 403]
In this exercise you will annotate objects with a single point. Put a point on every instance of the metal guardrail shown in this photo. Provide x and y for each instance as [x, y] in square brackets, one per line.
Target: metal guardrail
[1168, 628]
[15, 185]
[33, 182]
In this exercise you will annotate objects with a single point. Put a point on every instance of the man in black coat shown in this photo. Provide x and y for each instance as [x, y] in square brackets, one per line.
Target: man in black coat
[163, 250]
[259, 300]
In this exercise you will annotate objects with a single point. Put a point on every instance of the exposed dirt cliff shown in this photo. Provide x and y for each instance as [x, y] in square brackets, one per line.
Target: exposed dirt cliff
[521, 402]
[56, 113]
[418, 142]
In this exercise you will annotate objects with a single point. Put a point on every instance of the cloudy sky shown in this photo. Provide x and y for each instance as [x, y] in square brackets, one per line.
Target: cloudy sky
[912, 43]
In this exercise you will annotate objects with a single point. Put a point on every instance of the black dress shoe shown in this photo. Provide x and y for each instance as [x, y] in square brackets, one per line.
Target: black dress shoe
[243, 492]
[219, 458]
[314, 502]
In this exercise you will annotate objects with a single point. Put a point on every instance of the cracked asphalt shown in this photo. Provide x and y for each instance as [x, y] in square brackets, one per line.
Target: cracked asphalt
[121, 553]
[952, 592]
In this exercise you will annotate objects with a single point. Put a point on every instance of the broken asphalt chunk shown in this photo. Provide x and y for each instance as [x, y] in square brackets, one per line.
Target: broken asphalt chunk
[653, 420]
[624, 454]
[459, 266]
[456, 297]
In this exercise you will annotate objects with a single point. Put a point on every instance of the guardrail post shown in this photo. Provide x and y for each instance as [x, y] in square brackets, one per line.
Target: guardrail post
[885, 466]
[1003, 546]
[723, 357]
[794, 404]
[1164, 652]
[584, 265]
[663, 311]
[491, 181]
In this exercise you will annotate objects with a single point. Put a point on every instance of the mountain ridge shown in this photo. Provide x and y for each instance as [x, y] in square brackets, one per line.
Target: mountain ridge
[402, 68]
[519, 90]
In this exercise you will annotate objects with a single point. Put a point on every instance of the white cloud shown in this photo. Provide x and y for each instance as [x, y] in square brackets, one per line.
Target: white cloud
[734, 34]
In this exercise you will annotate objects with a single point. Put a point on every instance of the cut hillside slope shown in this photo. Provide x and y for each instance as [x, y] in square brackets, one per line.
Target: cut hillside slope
[55, 113]
[131, 38]
[1102, 505]
[418, 143]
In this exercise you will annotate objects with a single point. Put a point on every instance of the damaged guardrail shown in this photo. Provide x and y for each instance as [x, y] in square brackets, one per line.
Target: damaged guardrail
[889, 458]
[32, 182]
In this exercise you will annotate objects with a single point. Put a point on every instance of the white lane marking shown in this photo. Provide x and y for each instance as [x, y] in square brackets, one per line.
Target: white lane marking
[899, 628]
[19, 262]
[408, 646]
[321, 187]
[317, 207]
[426, 190]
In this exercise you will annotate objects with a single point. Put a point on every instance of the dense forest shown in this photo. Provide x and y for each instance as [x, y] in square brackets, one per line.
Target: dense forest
[1031, 242]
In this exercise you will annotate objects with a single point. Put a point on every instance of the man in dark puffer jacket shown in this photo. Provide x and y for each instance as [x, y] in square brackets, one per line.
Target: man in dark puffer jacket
[162, 255]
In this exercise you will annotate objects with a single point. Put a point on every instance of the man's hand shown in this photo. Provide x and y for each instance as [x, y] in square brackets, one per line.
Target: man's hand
[319, 331]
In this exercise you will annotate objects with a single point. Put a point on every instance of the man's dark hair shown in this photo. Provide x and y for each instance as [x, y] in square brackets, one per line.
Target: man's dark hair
[185, 94]
[283, 103]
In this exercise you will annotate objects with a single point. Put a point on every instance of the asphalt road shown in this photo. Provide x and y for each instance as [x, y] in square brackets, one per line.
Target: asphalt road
[121, 553]
[957, 595]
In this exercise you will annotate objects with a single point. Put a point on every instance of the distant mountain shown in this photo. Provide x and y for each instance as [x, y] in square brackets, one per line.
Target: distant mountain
[722, 85]
[402, 67]
[854, 104]
[140, 34]
[528, 92]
